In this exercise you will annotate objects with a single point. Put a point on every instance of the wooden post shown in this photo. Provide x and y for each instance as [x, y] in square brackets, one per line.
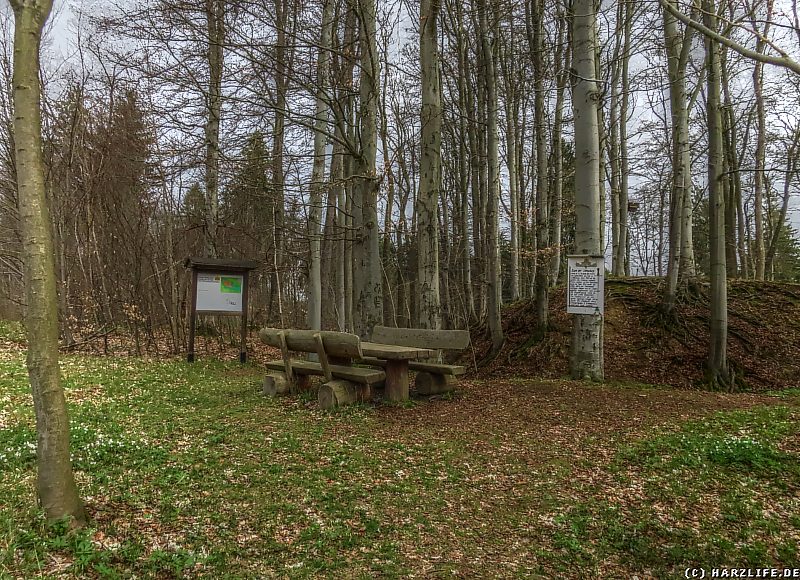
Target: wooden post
[192, 317]
[245, 296]
[397, 380]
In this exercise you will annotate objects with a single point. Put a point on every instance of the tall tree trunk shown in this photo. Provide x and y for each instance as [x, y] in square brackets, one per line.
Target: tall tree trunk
[761, 145]
[215, 18]
[732, 178]
[493, 282]
[622, 257]
[477, 161]
[337, 184]
[58, 493]
[366, 252]
[430, 171]
[542, 281]
[513, 182]
[511, 102]
[586, 361]
[563, 60]
[318, 169]
[464, 172]
[677, 48]
[278, 175]
[612, 142]
[717, 359]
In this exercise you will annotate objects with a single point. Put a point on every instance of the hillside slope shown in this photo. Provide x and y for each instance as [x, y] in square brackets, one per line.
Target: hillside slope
[643, 346]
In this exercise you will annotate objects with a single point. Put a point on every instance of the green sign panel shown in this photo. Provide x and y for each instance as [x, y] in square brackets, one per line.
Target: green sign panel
[231, 285]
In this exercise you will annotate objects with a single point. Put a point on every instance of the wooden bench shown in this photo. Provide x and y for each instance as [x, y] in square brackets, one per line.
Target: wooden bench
[344, 383]
[433, 377]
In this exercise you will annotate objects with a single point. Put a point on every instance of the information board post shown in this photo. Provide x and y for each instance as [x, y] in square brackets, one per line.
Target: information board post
[192, 317]
[219, 287]
[243, 332]
[585, 284]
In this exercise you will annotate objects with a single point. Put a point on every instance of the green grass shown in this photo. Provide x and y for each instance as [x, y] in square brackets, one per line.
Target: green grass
[711, 493]
[188, 471]
[12, 331]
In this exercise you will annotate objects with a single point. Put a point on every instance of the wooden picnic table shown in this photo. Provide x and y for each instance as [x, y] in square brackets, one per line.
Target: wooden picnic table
[397, 358]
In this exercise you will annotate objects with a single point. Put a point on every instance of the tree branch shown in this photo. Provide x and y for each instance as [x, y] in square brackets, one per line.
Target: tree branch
[784, 62]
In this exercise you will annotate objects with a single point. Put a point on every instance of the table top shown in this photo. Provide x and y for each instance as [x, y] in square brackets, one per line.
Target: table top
[394, 352]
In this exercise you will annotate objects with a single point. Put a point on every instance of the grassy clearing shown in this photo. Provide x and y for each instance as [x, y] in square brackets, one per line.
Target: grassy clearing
[188, 471]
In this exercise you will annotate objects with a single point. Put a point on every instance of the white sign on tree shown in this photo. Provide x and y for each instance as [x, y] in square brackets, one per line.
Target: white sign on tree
[219, 292]
[585, 284]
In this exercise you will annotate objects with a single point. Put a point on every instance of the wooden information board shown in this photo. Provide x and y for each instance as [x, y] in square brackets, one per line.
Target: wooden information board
[219, 287]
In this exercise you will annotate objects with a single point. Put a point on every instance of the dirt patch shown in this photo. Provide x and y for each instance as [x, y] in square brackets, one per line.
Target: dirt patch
[557, 408]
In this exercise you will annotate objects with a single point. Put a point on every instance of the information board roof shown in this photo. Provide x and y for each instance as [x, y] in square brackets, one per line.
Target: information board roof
[220, 264]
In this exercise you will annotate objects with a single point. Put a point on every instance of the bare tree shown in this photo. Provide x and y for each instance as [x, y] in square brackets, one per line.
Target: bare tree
[56, 486]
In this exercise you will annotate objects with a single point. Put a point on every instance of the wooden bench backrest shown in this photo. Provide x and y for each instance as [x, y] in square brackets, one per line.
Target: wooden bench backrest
[336, 344]
[422, 338]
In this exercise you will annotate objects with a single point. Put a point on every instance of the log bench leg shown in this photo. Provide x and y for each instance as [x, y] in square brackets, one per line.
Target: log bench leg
[397, 380]
[434, 384]
[338, 392]
[276, 384]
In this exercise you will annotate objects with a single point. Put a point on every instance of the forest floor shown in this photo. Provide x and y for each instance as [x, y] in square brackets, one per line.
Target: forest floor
[188, 471]
[642, 346]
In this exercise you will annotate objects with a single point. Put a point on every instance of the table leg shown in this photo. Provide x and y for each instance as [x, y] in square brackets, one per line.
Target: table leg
[397, 380]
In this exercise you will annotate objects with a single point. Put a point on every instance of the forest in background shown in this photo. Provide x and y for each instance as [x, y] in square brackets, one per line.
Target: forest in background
[303, 135]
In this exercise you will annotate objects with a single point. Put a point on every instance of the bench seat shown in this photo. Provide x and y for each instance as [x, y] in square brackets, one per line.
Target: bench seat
[427, 367]
[354, 374]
